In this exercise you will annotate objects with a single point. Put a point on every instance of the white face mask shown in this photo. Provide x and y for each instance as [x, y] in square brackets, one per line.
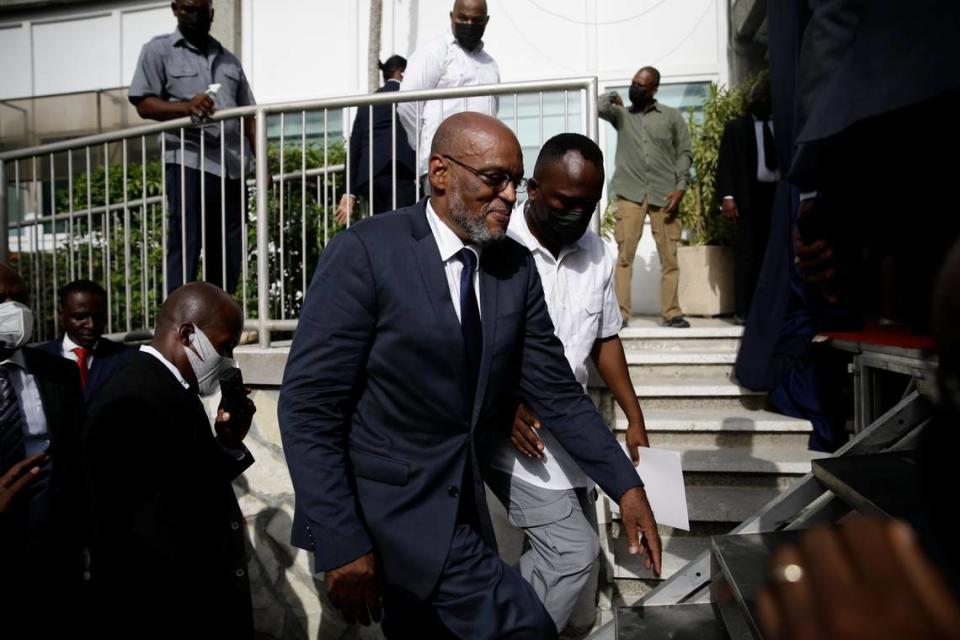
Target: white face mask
[16, 325]
[206, 363]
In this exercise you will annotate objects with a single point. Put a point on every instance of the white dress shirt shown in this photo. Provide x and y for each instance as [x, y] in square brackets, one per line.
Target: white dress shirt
[36, 438]
[578, 287]
[169, 365]
[450, 245]
[439, 63]
[763, 174]
[68, 347]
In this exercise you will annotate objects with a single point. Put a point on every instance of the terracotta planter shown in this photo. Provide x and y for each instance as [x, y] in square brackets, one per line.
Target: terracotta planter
[706, 280]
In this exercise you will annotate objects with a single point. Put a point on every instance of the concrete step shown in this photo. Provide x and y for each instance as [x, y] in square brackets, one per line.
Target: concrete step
[708, 420]
[763, 459]
[717, 504]
[679, 344]
[710, 393]
[678, 550]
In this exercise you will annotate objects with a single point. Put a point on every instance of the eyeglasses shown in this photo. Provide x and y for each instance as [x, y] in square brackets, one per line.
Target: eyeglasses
[496, 180]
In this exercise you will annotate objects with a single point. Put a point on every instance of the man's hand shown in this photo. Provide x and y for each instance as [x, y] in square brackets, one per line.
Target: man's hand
[524, 435]
[345, 209]
[673, 201]
[729, 209]
[201, 106]
[641, 528]
[352, 589]
[231, 430]
[616, 99]
[866, 579]
[18, 477]
[636, 437]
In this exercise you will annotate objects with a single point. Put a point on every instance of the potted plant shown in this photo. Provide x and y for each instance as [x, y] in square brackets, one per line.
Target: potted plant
[706, 261]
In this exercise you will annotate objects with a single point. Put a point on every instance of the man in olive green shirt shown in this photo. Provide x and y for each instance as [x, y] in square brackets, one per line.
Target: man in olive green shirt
[652, 168]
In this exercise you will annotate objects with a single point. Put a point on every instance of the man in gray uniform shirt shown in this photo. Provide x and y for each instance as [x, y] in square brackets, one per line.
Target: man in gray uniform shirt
[172, 75]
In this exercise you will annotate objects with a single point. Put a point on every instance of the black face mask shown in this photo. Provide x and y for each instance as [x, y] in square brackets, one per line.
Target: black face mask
[468, 34]
[639, 96]
[561, 227]
[195, 25]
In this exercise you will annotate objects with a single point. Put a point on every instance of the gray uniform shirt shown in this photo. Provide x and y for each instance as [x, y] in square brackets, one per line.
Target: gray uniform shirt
[653, 151]
[172, 69]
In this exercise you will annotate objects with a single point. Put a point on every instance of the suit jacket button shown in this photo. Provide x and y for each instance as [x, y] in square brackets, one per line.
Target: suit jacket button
[453, 491]
[239, 573]
[234, 525]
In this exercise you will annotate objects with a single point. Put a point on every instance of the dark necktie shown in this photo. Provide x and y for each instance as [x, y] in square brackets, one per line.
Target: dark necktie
[11, 423]
[82, 365]
[769, 148]
[470, 320]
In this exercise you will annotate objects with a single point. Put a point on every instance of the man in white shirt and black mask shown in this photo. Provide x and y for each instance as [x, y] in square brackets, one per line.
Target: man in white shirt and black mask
[455, 58]
[544, 490]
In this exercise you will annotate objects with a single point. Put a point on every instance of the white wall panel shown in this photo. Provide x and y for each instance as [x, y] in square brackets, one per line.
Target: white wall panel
[137, 28]
[76, 55]
[15, 77]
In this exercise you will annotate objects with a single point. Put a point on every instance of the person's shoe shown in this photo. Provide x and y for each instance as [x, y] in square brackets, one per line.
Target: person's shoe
[676, 322]
[739, 320]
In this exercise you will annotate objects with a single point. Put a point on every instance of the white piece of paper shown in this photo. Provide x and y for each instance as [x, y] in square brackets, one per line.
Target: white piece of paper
[662, 476]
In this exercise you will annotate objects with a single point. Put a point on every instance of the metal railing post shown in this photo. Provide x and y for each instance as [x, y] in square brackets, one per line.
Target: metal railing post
[593, 132]
[263, 231]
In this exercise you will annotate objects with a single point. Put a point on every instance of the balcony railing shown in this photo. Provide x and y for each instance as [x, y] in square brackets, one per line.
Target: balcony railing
[97, 207]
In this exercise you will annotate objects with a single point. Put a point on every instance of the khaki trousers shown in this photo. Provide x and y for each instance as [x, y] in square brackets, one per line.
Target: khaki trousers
[630, 217]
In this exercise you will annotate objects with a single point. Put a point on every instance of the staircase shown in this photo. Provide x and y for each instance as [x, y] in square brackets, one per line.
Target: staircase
[736, 454]
[877, 473]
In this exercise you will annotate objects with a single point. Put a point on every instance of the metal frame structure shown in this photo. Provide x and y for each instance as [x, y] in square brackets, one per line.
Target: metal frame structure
[45, 214]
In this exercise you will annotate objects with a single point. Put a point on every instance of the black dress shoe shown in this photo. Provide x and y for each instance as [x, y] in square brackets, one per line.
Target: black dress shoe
[676, 322]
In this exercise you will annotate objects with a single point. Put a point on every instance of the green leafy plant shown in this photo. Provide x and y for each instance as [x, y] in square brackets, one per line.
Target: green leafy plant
[698, 210]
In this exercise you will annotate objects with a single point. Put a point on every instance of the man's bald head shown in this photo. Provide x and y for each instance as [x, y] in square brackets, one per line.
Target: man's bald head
[469, 133]
[203, 304]
[12, 285]
[470, 7]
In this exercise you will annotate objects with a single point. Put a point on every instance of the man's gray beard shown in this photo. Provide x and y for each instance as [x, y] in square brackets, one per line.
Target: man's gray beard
[475, 227]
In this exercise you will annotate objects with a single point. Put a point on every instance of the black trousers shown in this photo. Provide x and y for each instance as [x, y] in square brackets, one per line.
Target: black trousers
[477, 596]
[753, 230]
[216, 229]
[383, 190]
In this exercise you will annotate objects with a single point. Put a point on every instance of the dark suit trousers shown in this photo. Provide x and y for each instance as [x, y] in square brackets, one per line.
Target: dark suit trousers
[477, 597]
[212, 244]
[383, 190]
[753, 229]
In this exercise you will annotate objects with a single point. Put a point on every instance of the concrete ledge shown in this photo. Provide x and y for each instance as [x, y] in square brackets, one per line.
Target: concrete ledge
[686, 420]
[262, 367]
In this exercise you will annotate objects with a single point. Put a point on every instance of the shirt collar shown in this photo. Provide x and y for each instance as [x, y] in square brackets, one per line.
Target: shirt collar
[18, 359]
[392, 80]
[69, 345]
[213, 45]
[169, 365]
[447, 241]
[452, 40]
[653, 106]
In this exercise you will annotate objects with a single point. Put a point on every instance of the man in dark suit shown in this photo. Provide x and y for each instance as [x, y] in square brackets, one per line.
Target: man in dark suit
[41, 412]
[747, 176]
[401, 379]
[167, 543]
[83, 315]
[386, 129]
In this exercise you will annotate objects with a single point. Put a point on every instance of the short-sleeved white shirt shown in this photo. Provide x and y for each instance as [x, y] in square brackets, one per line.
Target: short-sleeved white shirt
[578, 287]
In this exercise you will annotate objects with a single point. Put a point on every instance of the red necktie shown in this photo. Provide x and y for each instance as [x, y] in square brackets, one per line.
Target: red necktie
[82, 363]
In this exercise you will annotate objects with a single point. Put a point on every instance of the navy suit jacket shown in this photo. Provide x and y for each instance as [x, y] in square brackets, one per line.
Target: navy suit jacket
[109, 357]
[382, 143]
[373, 411]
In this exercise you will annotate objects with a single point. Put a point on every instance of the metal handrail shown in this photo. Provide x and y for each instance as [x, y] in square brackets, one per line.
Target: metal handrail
[483, 90]
[262, 177]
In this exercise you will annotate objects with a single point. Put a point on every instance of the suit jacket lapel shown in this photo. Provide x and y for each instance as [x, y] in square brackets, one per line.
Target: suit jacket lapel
[427, 255]
[488, 317]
